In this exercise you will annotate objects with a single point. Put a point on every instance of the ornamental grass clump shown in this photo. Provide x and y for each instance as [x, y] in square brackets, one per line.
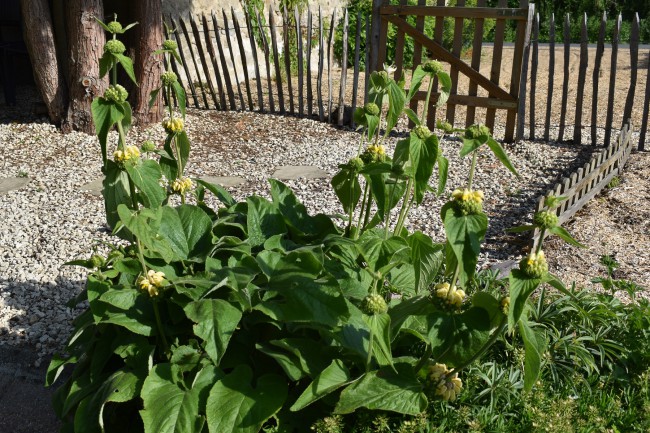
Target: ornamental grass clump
[257, 316]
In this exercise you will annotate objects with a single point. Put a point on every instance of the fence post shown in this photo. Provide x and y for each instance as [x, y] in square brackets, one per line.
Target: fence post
[377, 33]
[521, 109]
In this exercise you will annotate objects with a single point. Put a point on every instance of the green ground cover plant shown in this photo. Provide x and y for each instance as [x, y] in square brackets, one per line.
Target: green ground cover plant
[257, 316]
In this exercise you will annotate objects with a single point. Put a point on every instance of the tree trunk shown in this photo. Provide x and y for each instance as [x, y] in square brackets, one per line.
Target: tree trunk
[149, 38]
[39, 38]
[86, 44]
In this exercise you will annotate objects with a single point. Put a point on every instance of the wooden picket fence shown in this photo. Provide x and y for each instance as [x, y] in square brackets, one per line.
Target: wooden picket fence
[592, 102]
[585, 183]
[213, 82]
[318, 88]
[499, 97]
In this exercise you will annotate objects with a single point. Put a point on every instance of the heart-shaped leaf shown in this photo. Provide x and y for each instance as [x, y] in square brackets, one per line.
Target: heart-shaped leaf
[235, 406]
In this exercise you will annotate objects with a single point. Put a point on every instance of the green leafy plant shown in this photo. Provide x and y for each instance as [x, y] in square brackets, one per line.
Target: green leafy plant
[259, 316]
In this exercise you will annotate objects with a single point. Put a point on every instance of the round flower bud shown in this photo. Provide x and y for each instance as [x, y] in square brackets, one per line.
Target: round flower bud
[148, 146]
[432, 67]
[534, 265]
[114, 46]
[505, 305]
[97, 261]
[371, 108]
[356, 164]
[477, 131]
[114, 255]
[169, 45]
[116, 93]
[422, 132]
[114, 27]
[446, 127]
[545, 219]
[168, 78]
[467, 201]
[374, 304]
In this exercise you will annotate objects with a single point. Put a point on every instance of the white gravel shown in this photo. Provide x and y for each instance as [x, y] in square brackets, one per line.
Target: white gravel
[52, 221]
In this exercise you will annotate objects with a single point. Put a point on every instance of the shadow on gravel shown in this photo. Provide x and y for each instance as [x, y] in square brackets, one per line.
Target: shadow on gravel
[25, 402]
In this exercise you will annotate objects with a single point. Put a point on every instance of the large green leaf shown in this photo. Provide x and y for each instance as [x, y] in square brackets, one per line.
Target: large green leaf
[145, 225]
[171, 408]
[379, 325]
[105, 115]
[127, 64]
[397, 100]
[219, 191]
[146, 176]
[385, 389]
[116, 192]
[423, 156]
[235, 406]
[534, 347]
[455, 338]
[120, 387]
[465, 233]
[188, 230]
[521, 287]
[307, 301]
[427, 259]
[501, 155]
[329, 380]
[139, 318]
[179, 91]
[347, 188]
[383, 254]
[445, 88]
[216, 321]
[407, 308]
[263, 220]
[295, 213]
[387, 194]
[416, 81]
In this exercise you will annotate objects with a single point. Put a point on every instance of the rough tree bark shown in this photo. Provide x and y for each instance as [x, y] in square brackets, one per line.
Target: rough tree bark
[85, 44]
[148, 37]
[39, 38]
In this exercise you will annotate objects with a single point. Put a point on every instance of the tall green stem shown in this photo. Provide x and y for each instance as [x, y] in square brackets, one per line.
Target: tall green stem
[426, 101]
[361, 209]
[161, 331]
[388, 207]
[542, 232]
[472, 169]
[366, 217]
[405, 207]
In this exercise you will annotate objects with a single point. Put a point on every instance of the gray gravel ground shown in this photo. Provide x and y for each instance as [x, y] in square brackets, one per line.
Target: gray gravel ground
[52, 220]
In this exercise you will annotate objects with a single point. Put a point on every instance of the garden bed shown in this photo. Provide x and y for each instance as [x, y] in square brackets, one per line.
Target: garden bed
[53, 220]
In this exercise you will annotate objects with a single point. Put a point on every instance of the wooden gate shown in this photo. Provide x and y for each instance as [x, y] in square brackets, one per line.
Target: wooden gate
[496, 96]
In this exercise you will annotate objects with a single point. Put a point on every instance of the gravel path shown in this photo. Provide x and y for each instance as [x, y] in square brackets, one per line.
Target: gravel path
[52, 219]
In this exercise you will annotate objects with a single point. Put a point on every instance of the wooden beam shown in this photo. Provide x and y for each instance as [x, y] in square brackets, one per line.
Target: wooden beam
[444, 55]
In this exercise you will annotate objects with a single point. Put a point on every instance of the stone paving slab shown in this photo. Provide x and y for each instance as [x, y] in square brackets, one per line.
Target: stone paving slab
[225, 181]
[11, 183]
[292, 172]
[94, 187]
